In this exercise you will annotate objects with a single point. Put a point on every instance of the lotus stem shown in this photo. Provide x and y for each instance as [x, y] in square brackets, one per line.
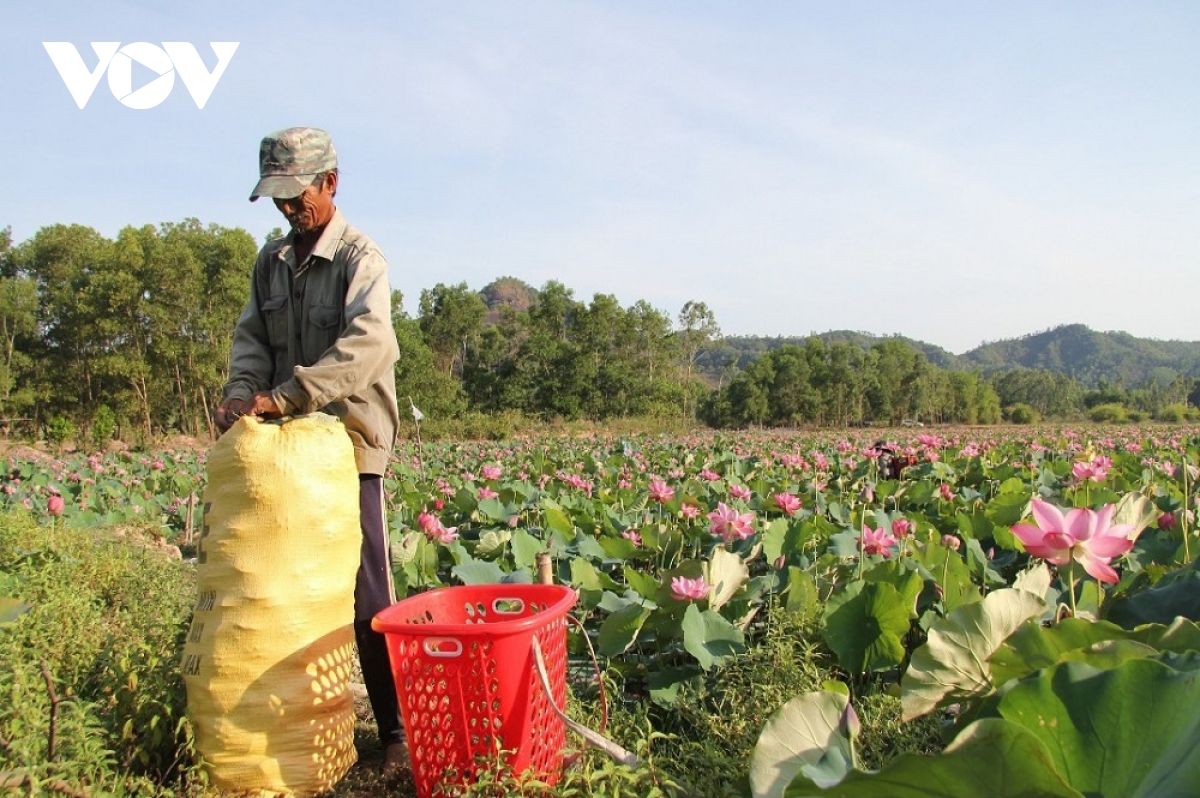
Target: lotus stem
[1071, 586]
[1187, 502]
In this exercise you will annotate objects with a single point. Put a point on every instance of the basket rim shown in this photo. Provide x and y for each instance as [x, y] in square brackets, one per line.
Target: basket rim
[386, 620]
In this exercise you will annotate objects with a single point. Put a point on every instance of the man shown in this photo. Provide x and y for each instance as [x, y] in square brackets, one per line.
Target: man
[317, 334]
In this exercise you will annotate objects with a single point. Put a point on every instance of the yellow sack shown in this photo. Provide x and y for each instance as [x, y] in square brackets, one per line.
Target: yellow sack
[268, 659]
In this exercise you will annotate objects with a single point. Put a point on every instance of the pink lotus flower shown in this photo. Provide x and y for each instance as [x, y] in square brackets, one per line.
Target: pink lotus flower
[902, 527]
[709, 476]
[433, 529]
[686, 589]
[951, 542]
[491, 471]
[633, 536]
[660, 491]
[728, 524]
[1095, 470]
[946, 491]
[877, 541]
[788, 503]
[1085, 535]
[739, 492]
[689, 511]
[1166, 520]
[444, 535]
[487, 493]
[55, 505]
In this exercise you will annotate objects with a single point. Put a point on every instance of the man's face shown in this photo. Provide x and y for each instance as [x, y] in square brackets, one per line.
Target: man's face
[310, 210]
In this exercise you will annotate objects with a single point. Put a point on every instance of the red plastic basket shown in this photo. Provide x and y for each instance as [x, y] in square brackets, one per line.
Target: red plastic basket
[466, 681]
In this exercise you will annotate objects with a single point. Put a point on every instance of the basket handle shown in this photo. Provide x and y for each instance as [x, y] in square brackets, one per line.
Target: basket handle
[508, 606]
[442, 647]
[593, 738]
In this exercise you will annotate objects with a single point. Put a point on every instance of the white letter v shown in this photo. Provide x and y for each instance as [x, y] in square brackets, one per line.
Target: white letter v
[196, 77]
[80, 82]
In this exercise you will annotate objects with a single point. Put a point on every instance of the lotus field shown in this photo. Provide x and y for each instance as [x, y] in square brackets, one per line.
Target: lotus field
[1031, 593]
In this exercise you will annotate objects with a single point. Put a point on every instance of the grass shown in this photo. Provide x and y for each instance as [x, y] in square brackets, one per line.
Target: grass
[107, 624]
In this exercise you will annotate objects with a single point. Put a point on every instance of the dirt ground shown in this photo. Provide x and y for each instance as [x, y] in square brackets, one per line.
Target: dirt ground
[363, 780]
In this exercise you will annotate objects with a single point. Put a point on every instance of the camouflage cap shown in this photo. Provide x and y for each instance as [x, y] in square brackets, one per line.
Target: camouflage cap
[288, 160]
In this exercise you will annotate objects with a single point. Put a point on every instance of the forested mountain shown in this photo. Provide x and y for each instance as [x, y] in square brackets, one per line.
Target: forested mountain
[1091, 357]
[1088, 356]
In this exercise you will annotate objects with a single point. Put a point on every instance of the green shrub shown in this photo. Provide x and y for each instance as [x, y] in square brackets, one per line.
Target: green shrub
[107, 624]
[103, 426]
[1021, 413]
[1176, 414]
[1109, 413]
[59, 430]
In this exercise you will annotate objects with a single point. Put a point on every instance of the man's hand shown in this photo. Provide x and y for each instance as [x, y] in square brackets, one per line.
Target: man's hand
[261, 405]
[229, 412]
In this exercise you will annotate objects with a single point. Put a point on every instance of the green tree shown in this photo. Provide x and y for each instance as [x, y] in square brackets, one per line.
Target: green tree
[698, 331]
[18, 330]
[61, 260]
[451, 318]
[418, 379]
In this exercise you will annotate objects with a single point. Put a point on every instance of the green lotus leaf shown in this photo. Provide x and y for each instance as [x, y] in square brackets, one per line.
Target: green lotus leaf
[1176, 594]
[802, 596]
[953, 663]
[557, 520]
[619, 630]
[645, 585]
[525, 548]
[478, 572]
[1129, 731]
[775, 538]
[908, 582]
[1136, 510]
[710, 638]
[803, 737]
[991, 758]
[864, 624]
[726, 573]
[949, 570]
[1033, 647]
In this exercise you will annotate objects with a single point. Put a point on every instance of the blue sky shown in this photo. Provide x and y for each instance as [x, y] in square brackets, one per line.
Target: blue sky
[953, 171]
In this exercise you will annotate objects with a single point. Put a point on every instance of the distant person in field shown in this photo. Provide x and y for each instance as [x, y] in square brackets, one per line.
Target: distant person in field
[316, 334]
[892, 462]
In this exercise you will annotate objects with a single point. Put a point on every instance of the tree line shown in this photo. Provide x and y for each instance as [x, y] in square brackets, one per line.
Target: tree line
[130, 337]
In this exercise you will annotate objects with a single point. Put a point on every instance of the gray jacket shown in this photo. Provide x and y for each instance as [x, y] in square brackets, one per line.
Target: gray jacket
[319, 335]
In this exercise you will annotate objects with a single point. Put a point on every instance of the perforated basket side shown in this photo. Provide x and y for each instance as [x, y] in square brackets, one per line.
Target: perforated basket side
[469, 689]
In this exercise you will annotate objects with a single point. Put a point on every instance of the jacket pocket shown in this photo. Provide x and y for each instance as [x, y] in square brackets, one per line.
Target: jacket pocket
[325, 316]
[274, 311]
[322, 330]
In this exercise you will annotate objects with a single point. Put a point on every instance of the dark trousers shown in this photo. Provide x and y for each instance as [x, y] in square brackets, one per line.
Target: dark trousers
[373, 591]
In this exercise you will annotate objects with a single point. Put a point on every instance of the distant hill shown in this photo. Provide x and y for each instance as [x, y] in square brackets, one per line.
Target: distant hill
[1072, 349]
[1090, 356]
[509, 292]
